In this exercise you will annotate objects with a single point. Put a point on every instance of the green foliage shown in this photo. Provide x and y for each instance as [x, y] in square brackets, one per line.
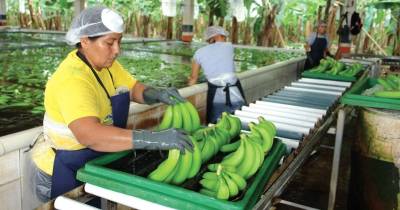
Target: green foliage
[219, 7]
[24, 72]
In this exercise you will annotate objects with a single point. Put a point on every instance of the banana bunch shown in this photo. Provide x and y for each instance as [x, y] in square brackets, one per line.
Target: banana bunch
[210, 140]
[391, 87]
[248, 157]
[181, 115]
[230, 123]
[178, 167]
[249, 151]
[262, 133]
[222, 182]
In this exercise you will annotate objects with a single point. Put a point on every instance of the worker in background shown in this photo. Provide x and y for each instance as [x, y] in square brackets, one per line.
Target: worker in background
[343, 31]
[87, 103]
[216, 59]
[316, 46]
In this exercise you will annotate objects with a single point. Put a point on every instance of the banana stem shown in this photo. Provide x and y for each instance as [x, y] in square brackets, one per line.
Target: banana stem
[219, 169]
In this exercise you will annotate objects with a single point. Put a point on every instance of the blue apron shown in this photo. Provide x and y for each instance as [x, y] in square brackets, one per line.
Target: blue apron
[317, 52]
[67, 162]
[214, 111]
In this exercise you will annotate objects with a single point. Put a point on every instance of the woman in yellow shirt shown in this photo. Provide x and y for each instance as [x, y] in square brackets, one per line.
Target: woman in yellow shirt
[87, 103]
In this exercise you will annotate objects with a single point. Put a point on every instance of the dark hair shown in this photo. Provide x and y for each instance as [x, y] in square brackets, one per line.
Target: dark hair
[91, 38]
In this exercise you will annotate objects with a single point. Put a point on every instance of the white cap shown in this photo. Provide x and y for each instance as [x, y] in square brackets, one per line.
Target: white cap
[213, 31]
[94, 21]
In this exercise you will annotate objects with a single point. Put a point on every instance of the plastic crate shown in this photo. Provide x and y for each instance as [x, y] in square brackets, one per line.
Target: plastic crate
[354, 96]
[98, 172]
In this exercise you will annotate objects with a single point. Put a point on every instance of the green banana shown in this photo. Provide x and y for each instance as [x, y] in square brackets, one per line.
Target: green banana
[267, 138]
[194, 116]
[388, 94]
[217, 145]
[224, 133]
[230, 147]
[166, 122]
[257, 136]
[165, 168]
[208, 192]
[232, 186]
[183, 165]
[222, 167]
[201, 145]
[270, 126]
[239, 180]
[223, 122]
[392, 83]
[235, 124]
[384, 83]
[210, 184]
[196, 160]
[218, 136]
[172, 174]
[245, 166]
[199, 134]
[210, 175]
[258, 158]
[235, 158]
[223, 190]
[208, 150]
[177, 116]
[186, 118]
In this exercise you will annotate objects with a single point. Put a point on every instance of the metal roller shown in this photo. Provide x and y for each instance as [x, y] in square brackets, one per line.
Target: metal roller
[280, 114]
[328, 98]
[310, 98]
[314, 91]
[319, 89]
[276, 119]
[306, 109]
[286, 110]
[300, 84]
[322, 104]
[283, 101]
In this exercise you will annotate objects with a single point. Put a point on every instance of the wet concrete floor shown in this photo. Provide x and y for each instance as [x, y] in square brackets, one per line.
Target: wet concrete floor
[364, 183]
[310, 185]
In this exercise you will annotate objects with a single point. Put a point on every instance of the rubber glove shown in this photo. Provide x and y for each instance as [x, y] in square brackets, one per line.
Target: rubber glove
[162, 140]
[168, 96]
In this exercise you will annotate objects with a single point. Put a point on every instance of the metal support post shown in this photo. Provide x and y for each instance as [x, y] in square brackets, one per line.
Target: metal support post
[336, 158]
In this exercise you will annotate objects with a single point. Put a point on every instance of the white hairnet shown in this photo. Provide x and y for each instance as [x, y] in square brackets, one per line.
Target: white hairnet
[94, 21]
[213, 31]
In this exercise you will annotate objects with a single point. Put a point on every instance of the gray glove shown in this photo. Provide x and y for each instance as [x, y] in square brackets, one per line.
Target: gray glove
[162, 140]
[165, 95]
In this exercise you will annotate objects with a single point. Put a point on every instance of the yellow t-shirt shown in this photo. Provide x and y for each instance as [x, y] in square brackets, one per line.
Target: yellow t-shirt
[72, 93]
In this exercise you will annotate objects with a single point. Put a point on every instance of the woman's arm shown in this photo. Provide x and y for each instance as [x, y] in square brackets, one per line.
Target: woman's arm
[195, 73]
[137, 92]
[91, 133]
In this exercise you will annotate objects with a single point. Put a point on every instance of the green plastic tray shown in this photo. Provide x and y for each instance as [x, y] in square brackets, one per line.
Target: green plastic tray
[318, 75]
[173, 196]
[354, 97]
